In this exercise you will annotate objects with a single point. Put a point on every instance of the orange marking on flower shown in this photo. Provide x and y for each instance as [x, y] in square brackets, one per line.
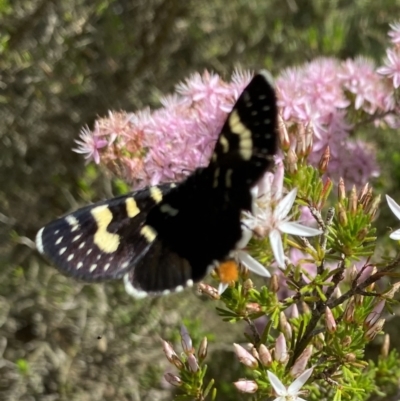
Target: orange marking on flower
[228, 271]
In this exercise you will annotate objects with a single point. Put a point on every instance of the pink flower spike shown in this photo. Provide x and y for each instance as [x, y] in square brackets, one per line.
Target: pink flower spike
[292, 392]
[394, 33]
[392, 66]
[395, 208]
[89, 145]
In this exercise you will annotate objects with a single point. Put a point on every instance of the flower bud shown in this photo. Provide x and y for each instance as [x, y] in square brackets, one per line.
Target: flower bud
[209, 290]
[202, 353]
[342, 215]
[292, 161]
[363, 193]
[341, 190]
[319, 341]
[330, 320]
[246, 386]
[287, 331]
[375, 314]
[283, 134]
[348, 316]
[353, 201]
[173, 379]
[294, 314]
[192, 362]
[274, 283]
[301, 362]
[247, 286]
[346, 341]
[373, 207]
[245, 357]
[171, 354]
[374, 330]
[253, 307]
[324, 161]
[186, 341]
[264, 355]
[309, 138]
[281, 354]
[385, 346]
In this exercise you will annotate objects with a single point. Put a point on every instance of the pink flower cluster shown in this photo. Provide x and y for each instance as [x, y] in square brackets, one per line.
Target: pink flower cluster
[165, 145]
[335, 97]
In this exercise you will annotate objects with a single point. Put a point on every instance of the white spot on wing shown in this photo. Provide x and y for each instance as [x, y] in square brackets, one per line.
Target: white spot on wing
[62, 250]
[131, 290]
[39, 240]
[89, 251]
[106, 266]
[179, 288]
[73, 222]
[81, 245]
[77, 237]
[125, 264]
[93, 267]
[189, 283]
[70, 257]
[79, 265]
[59, 240]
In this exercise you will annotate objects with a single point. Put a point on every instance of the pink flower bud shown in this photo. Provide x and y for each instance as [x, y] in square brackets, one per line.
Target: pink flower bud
[375, 314]
[295, 312]
[385, 346]
[192, 362]
[203, 349]
[171, 355]
[301, 362]
[265, 355]
[330, 320]
[246, 386]
[245, 357]
[374, 330]
[187, 345]
[281, 354]
[209, 290]
[173, 379]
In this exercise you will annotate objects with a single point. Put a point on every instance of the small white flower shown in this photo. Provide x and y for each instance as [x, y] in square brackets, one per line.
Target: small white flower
[292, 392]
[273, 221]
[395, 208]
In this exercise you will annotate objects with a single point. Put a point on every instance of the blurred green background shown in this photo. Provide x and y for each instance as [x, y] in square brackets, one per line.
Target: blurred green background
[62, 64]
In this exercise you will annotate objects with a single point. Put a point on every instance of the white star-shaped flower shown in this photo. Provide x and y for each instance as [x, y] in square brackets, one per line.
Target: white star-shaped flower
[270, 217]
[395, 208]
[292, 392]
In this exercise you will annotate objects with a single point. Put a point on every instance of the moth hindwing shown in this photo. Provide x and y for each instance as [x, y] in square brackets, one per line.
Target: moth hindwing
[166, 237]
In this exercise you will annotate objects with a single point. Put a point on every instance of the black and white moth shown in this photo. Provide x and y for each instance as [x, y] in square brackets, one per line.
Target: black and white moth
[163, 238]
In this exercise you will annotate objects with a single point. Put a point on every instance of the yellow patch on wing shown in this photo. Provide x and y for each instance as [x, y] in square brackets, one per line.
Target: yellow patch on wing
[132, 209]
[106, 241]
[245, 141]
[149, 233]
[156, 194]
